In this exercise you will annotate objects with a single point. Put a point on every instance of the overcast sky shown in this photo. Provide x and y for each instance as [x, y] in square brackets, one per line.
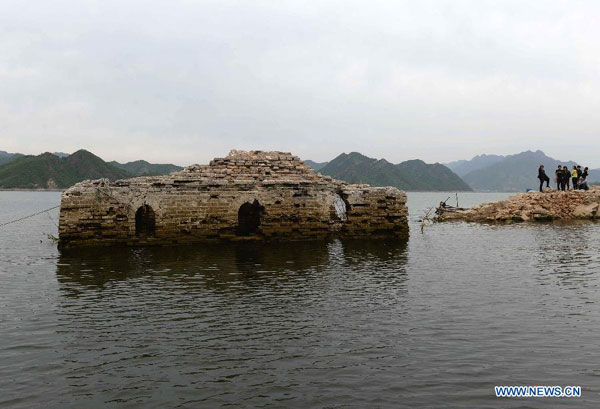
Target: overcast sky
[184, 81]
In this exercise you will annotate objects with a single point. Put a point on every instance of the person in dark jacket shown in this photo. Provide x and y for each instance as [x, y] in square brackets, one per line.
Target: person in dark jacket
[582, 182]
[543, 178]
[558, 177]
[566, 177]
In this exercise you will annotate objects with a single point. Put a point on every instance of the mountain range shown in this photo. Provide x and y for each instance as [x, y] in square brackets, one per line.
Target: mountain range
[61, 170]
[462, 167]
[512, 173]
[413, 175]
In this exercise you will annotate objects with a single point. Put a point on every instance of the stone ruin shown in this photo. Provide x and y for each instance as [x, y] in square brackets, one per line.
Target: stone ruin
[551, 205]
[252, 195]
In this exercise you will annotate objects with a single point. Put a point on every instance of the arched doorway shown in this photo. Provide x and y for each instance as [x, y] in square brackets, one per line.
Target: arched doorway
[145, 222]
[249, 218]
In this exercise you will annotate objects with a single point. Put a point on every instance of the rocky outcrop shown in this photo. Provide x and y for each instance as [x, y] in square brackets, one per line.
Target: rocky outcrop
[551, 205]
[245, 196]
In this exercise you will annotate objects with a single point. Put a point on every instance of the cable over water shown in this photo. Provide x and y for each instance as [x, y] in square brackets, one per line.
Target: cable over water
[29, 216]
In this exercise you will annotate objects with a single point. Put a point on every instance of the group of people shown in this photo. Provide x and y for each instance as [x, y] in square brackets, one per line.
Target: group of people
[565, 177]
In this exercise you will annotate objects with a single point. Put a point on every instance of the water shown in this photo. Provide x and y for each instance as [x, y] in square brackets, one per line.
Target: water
[433, 322]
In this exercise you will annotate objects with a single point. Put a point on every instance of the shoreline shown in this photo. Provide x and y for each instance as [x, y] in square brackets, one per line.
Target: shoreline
[548, 206]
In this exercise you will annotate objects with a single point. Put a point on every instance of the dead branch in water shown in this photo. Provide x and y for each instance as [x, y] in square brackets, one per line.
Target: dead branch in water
[426, 218]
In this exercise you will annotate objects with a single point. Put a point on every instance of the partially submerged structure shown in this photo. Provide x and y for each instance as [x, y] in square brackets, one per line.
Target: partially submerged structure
[246, 196]
[551, 205]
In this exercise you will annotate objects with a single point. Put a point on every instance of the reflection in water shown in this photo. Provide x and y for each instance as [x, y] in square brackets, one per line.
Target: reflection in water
[222, 264]
[233, 324]
[219, 265]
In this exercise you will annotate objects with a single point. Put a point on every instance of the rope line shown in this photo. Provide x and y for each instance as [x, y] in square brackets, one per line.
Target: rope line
[27, 217]
[53, 221]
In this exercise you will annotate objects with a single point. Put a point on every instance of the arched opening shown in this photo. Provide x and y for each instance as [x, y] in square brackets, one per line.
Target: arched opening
[249, 218]
[145, 222]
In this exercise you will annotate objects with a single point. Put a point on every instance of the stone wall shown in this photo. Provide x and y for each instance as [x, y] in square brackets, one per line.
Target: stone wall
[245, 196]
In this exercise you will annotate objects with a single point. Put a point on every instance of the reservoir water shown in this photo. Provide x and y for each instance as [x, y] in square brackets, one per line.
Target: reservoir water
[433, 322]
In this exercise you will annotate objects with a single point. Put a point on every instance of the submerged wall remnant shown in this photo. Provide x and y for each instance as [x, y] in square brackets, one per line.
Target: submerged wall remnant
[550, 205]
[245, 196]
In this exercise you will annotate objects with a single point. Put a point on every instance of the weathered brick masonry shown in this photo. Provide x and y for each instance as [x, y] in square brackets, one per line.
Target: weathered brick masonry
[245, 196]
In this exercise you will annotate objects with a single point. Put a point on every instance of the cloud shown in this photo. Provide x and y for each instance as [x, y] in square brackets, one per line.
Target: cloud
[185, 81]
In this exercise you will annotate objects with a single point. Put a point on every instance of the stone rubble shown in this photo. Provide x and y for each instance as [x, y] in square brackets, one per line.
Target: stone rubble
[284, 198]
[550, 205]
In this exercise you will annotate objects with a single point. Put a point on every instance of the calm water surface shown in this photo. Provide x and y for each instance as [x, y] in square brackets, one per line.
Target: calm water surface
[433, 322]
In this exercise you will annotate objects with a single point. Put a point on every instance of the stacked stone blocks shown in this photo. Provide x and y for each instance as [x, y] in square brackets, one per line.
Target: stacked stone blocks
[283, 199]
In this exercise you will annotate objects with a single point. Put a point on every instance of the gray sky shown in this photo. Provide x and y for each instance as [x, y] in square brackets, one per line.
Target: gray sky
[184, 81]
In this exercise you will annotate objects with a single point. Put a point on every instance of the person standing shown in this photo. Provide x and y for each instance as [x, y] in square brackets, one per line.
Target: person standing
[566, 177]
[558, 174]
[574, 177]
[543, 177]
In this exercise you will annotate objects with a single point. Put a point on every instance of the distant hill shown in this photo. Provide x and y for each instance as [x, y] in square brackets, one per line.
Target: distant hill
[6, 157]
[143, 168]
[514, 173]
[413, 175]
[317, 166]
[431, 177]
[50, 171]
[60, 170]
[462, 167]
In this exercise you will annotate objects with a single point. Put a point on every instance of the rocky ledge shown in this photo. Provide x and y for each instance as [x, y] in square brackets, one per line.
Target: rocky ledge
[550, 205]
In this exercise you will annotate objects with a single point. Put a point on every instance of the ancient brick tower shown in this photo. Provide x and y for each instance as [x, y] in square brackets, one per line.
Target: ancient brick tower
[252, 195]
